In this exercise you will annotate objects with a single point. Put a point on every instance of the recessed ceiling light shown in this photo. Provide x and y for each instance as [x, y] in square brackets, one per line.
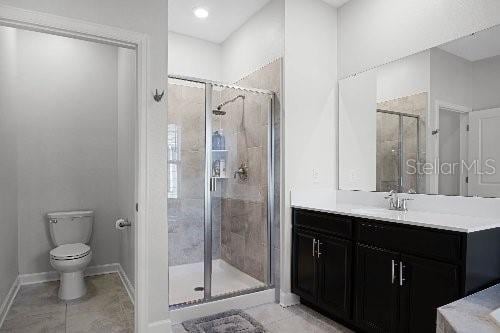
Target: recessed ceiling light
[200, 13]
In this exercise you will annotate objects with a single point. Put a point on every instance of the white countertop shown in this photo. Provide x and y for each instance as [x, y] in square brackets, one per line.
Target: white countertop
[460, 223]
[470, 314]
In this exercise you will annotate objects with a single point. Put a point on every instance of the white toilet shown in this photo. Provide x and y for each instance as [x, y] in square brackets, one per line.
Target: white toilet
[70, 232]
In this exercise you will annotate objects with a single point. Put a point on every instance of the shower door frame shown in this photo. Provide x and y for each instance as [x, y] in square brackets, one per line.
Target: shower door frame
[401, 140]
[209, 181]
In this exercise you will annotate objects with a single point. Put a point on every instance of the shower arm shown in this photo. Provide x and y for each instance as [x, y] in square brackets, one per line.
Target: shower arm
[230, 101]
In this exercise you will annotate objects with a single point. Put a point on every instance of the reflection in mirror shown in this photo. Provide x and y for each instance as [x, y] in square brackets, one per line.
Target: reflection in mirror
[427, 123]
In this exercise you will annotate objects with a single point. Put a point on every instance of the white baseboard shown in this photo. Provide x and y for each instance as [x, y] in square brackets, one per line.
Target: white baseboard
[163, 326]
[9, 299]
[238, 302]
[288, 299]
[54, 276]
[38, 277]
[129, 287]
[102, 269]
[25, 279]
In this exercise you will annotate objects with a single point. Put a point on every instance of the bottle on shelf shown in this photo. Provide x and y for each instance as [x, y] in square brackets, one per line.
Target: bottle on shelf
[222, 140]
[216, 141]
[216, 168]
[222, 168]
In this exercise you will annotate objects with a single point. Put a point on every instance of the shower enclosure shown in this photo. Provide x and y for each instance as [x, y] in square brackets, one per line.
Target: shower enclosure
[220, 190]
[398, 147]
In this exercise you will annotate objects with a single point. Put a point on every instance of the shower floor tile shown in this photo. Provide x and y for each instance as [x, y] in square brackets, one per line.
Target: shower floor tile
[183, 279]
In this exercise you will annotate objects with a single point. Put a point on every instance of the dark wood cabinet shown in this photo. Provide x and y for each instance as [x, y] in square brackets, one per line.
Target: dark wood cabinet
[377, 276]
[304, 262]
[425, 285]
[334, 275]
[376, 289]
[322, 269]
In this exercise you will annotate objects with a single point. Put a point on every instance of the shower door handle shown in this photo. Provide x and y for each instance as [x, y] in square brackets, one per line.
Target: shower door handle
[213, 184]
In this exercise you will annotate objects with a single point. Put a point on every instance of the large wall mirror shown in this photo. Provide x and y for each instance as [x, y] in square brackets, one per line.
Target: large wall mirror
[428, 123]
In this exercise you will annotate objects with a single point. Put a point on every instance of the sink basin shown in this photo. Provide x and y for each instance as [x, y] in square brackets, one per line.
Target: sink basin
[380, 212]
[373, 211]
[496, 316]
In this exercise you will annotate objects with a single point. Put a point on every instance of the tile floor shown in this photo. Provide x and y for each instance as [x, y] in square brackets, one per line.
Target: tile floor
[105, 308]
[225, 279]
[295, 319]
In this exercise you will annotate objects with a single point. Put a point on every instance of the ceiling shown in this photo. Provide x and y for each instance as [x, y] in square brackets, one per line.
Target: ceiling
[336, 3]
[481, 45]
[225, 17]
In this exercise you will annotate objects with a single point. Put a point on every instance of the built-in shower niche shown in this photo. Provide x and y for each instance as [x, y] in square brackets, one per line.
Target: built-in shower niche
[237, 163]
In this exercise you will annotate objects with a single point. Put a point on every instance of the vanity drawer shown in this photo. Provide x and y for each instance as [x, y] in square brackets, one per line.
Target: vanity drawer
[421, 241]
[338, 225]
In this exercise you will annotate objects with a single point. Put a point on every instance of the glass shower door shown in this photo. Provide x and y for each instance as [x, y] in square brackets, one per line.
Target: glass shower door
[186, 191]
[388, 152]
[220, 190]
[239, 158]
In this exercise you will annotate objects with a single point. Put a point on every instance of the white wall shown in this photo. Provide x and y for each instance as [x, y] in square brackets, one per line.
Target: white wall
[374, 32]
[255, 44]
[150, 18]
[8, 173]
[126, 158]
[449, 150]
[310, 106]
[450, 78]
[485, 84]
[405, 77]
[358, 132]
[67, 142]
[189, 56]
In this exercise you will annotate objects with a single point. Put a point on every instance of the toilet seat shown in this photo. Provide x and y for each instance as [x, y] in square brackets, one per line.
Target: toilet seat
[70, 251]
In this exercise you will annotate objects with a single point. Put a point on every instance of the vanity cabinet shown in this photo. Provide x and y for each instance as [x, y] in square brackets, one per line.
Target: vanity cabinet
[376, 289]
[399, 293]
[377, 276]
[322, 264]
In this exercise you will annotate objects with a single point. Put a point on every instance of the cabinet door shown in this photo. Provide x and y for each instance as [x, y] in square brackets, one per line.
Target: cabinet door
[304, 265]
[334, 276]
[426, 285]
[376, 308]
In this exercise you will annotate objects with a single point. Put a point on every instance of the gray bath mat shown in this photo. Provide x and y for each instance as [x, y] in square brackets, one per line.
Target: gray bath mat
[234, 321]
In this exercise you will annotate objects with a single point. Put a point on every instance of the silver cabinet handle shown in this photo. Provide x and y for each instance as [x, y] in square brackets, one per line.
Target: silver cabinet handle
[318, 252]
[401, 278]
[393, 272]
[314, 247]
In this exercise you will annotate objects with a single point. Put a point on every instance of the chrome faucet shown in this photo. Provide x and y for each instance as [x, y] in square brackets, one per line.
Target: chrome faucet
[396, 202]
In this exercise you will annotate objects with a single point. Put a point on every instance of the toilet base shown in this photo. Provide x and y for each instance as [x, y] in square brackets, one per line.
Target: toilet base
[72, 286]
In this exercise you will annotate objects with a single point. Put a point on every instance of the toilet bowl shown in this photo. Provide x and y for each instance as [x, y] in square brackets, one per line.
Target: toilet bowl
[70, 232]
[70, 260]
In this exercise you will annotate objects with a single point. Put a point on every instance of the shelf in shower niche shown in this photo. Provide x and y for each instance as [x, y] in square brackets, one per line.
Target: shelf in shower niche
[219, 151]
[220, 177]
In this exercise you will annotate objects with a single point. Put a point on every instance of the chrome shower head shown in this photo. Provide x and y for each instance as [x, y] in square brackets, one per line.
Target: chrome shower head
[219, 112]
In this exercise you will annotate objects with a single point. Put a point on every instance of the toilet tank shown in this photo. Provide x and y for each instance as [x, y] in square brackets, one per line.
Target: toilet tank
[71, 227]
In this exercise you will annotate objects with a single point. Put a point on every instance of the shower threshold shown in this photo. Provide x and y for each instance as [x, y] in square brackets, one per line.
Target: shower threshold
[186, 282]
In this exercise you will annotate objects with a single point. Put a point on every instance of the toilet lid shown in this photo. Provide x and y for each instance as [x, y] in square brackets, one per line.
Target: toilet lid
[70, 251]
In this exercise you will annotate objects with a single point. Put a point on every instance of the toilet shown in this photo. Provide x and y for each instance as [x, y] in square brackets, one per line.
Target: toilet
[70, 233]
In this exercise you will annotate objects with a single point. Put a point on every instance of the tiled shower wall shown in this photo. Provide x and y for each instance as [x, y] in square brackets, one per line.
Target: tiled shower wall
[239, 207]
[186, 127]
[244, 202]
